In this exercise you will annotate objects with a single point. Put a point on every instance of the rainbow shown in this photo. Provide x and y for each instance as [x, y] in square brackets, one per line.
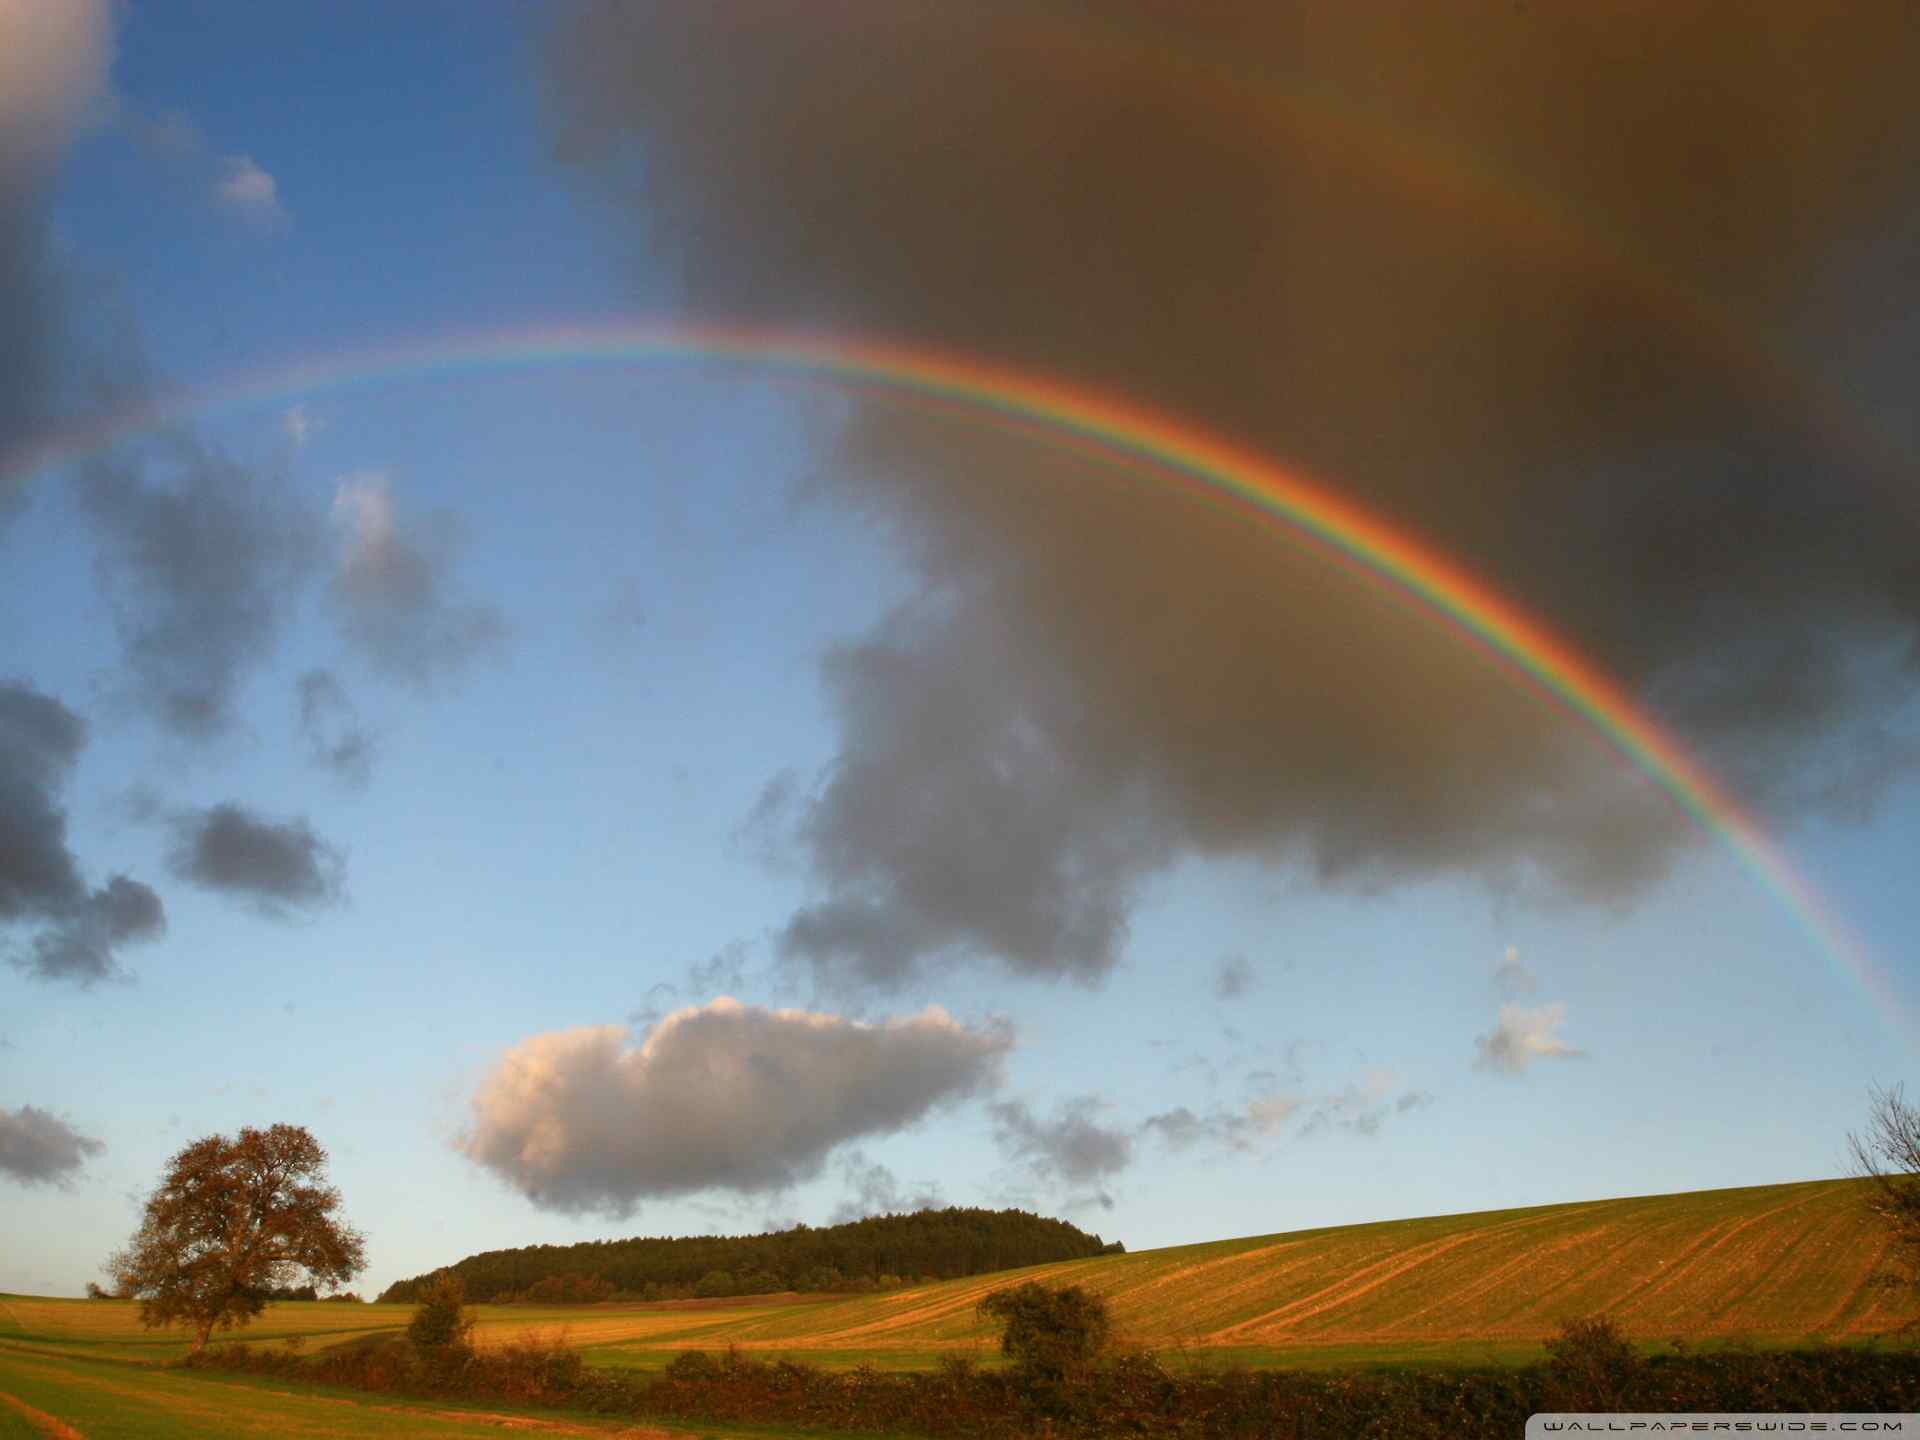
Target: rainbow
[1123, 430]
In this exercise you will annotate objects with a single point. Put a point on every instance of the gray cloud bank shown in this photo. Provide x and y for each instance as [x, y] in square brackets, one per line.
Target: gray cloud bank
[722, 1096]
[1451, 291]
[76, 931]
[39, 1148]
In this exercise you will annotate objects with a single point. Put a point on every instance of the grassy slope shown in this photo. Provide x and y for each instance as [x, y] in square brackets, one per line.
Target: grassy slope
[1778, 1264]
[49, 1393]
[102, 1399]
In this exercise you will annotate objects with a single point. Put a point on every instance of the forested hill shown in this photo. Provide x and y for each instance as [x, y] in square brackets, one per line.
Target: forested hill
[879, 1252]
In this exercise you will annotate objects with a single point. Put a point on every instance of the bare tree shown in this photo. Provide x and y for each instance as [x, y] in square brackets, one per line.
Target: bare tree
[231, 1220]
[1888, 1155]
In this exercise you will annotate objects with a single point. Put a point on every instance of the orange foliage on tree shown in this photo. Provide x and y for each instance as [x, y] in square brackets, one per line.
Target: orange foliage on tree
[232, 1220]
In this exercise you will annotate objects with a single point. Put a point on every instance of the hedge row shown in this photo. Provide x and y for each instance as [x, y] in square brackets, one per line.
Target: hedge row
[1133, 1395]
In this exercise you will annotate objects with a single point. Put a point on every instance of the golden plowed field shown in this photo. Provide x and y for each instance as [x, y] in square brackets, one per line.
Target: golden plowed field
[1777, 1264]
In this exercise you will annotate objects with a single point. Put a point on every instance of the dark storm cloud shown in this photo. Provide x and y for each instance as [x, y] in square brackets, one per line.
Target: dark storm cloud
[329, 723]
[1512, 289]
[954, 822]
[277, 864]
[76, 931]
[39, 1148]
[722, 1096]
[392, 590]
[202, 562]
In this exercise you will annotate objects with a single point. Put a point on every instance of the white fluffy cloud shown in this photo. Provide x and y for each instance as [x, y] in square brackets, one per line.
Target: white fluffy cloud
[1523, 1036]
[723, 1096]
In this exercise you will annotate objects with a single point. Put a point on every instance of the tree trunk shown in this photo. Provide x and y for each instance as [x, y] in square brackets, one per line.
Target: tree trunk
[200, 1336]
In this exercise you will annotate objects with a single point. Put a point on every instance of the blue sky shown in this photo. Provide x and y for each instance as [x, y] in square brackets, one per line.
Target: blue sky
[1294, 911]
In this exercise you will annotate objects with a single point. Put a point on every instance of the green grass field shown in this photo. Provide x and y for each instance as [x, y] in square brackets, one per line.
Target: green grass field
[1775, 1265]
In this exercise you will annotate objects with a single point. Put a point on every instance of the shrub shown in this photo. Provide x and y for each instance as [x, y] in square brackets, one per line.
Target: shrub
[532, 1368]
[440, 1323]
[1592, 1364]
[1053, 1336]
[692, 1367]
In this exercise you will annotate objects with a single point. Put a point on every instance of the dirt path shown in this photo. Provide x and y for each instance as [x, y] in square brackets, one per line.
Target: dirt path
[554, 1427]
[509, 1420]
[51, 1426]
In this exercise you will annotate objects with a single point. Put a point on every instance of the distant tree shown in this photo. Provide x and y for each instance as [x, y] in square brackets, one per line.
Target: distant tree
[440, 1324]
[758, 1282]
[1052, 1336]
[1888, 1155]
[94, 1292]
[713, 1285]
[231, 1220]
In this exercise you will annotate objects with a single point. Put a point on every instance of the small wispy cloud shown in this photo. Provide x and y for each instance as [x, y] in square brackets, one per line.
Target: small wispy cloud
[246, 189]
[336, 740]
[1523, 1036]
[392, 588]
[1072, 1148]
[236, 182]
[1511, 978]
[1361, 1107]
[873, 1189]
[1232, 978]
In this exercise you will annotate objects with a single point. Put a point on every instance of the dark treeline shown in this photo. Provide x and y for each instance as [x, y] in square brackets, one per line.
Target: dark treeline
[876, 1253]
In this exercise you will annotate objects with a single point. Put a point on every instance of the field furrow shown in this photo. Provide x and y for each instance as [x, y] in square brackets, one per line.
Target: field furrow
[1780, 1265]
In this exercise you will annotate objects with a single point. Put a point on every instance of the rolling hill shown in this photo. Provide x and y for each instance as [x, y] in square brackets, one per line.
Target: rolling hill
[1777, 1264]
